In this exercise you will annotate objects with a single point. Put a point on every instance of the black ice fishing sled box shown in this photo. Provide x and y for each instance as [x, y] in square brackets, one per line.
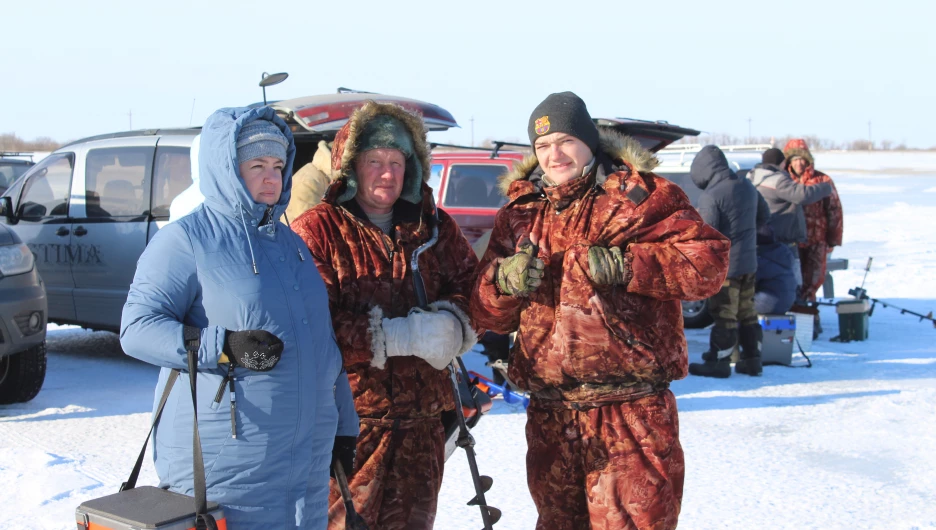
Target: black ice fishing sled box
[143, 507]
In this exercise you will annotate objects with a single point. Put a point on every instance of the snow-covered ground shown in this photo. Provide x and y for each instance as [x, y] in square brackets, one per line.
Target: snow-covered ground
[848, 443]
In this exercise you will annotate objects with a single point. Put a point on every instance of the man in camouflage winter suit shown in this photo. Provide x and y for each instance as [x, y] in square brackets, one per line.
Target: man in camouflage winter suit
[824, 221]
[362, 236]
[588, 261]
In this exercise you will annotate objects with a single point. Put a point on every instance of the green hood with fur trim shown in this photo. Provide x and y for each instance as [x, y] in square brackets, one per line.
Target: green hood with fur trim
[377, 125]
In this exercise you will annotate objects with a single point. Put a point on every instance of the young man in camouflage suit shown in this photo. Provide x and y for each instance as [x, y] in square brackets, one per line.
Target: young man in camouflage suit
[588, 261]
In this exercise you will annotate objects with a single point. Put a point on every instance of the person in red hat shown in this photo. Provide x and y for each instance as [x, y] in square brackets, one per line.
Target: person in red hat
[824, 222]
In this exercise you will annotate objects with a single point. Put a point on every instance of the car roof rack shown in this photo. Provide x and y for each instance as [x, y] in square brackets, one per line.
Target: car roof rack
[433, 145]
[498, 144]
[692, 148]
[17, 153]
[182, 131]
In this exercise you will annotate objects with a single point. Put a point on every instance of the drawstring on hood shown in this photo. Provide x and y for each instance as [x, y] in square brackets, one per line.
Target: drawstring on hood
[253, 259]
[298, 250]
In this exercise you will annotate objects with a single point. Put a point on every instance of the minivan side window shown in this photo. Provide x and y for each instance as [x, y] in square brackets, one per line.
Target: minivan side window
[172, 176]
[116, 183]
[45, 193]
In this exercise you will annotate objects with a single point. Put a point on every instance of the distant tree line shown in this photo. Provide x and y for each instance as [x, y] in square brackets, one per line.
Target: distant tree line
[11, 142]
[814, 142]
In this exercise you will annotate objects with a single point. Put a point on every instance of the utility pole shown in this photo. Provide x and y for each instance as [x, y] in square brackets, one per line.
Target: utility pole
[472, 131]
[870, 142]
[749, 137]
[130, 117]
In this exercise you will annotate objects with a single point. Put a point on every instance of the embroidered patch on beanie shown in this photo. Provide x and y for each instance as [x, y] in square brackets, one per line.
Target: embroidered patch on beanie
[563, 112]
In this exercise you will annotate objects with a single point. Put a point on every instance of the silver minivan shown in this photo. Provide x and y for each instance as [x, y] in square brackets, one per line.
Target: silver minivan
[87, 211]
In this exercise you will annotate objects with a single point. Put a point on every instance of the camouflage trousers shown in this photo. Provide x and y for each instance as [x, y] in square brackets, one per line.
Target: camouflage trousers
[732, 308]
[733, 305]
[617, 466]
[397, 475]
[813, 263]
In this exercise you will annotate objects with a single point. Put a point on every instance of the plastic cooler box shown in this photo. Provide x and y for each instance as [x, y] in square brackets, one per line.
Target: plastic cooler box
[145, 507]
[779, 336]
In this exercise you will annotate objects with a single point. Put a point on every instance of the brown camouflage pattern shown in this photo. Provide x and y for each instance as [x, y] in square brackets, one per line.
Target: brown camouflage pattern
[571, 331]
[824, 220]
[813, 265]
[362, 267]
[824, 227]
[614, 467]
[397, 476]
[400, 451]
[590, 463]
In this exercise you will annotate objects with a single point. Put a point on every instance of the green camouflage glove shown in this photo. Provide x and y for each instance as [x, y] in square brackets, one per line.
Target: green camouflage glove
[522, 273]
[607, 266]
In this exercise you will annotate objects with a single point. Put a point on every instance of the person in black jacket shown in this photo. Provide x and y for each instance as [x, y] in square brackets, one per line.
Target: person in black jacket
[732, 206]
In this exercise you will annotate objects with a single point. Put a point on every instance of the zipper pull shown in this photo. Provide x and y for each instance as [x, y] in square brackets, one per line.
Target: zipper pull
[230, 378]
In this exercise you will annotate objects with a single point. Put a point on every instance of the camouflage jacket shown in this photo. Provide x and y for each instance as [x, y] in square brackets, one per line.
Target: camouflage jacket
[824, 219]
[570, 331]
[368, 277]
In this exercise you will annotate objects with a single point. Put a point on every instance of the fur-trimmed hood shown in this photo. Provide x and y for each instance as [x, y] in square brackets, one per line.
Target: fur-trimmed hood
[798, 147]
[618, 147]
[347, 142]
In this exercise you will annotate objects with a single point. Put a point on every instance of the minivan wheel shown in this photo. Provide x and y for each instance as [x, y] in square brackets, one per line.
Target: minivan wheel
[696, 314]
[22, 375]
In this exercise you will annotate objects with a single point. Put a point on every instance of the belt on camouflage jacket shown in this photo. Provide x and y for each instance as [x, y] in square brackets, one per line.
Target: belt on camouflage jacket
[593, 395]
[399, 423]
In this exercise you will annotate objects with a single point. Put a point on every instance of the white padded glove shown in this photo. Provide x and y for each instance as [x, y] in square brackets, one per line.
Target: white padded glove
[437, 335]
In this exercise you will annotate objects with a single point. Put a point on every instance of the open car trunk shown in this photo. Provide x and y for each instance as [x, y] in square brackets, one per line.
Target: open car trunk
[315, 118]
[653, 135]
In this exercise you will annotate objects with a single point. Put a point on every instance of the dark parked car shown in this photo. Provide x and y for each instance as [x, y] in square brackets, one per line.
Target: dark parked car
[12, 166]
[22, 319]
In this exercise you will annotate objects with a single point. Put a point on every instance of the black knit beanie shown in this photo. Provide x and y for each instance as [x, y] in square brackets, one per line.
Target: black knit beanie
[566, 113]
[773, 156]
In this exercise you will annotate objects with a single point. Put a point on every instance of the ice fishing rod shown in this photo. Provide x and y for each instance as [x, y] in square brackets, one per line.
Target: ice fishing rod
[862, 294]
[482, 483]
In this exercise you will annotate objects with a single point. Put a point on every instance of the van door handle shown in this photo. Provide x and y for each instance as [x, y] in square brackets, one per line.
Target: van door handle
[62, 231]
[80, 231]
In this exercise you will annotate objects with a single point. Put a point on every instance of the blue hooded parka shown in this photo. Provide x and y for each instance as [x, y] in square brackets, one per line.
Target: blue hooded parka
[200, 271]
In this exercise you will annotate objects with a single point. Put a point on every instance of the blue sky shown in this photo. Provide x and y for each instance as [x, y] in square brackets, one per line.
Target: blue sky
[825, 68]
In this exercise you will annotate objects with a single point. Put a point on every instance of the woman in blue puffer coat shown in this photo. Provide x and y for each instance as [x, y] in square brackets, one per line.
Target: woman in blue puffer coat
[242, 289]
